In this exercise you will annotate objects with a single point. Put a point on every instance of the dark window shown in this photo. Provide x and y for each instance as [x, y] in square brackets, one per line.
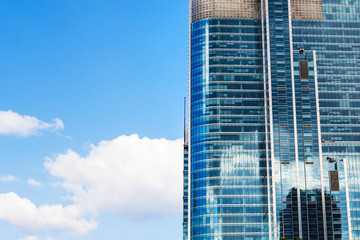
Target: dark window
[304, 69]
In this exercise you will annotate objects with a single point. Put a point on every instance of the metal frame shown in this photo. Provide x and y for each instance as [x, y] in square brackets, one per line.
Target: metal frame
[266, 120]
[320, 145]
[295, 120]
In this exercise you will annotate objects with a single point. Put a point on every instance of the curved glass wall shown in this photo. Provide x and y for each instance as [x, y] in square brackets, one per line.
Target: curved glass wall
[228, 159]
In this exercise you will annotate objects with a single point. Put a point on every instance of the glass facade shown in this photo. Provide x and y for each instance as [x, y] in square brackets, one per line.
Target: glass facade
[274, 143]
[228, 159]
[186, 190]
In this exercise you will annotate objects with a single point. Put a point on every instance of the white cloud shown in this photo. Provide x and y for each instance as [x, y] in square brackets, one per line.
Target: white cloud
[34, 238]
[134, 177]
[26, 216]
[30, 238]
[34, 183]
[8, 178]
[12, 123]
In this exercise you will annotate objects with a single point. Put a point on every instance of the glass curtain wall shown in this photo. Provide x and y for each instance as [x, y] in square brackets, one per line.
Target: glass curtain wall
[274, 119]
[228, 158]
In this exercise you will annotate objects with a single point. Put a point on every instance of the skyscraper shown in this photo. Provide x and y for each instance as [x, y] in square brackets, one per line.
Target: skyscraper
[274, 143]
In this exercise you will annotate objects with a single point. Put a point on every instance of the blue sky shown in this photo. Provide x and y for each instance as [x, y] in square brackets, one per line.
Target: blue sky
[78, 80]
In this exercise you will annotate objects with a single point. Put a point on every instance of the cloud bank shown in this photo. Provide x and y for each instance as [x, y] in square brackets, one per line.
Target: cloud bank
[12, 123]
[24, 215]
[136, 178]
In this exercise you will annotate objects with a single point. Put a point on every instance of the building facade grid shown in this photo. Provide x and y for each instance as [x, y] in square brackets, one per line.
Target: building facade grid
[274, 143]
